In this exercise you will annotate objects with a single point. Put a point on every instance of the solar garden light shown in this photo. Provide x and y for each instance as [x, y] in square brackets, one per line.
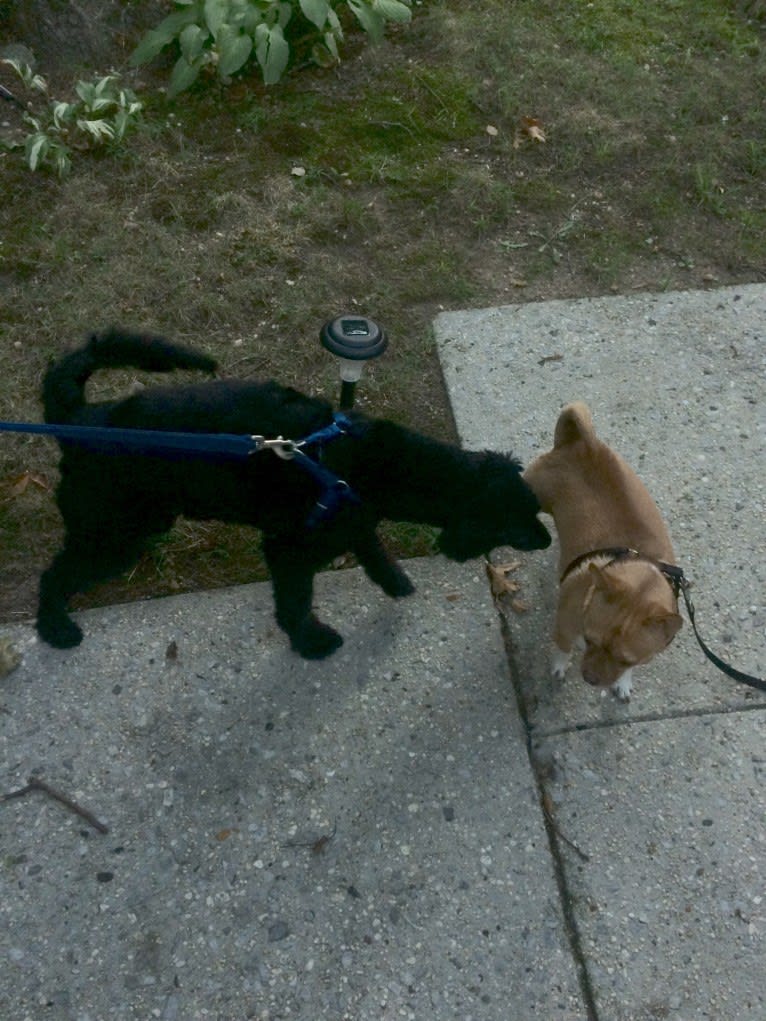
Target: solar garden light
[353, 340]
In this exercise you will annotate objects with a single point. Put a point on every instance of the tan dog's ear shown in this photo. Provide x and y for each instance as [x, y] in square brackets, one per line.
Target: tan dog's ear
[608, 584]
[574, 423]
[666, 623]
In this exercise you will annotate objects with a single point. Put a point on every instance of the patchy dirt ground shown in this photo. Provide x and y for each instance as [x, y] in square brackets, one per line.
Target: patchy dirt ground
[416, 189]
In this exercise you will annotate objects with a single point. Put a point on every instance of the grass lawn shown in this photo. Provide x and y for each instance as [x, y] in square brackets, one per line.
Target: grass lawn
[488, 152]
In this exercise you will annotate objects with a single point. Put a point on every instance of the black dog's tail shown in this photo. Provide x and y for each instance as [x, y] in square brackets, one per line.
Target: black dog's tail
[64, 384]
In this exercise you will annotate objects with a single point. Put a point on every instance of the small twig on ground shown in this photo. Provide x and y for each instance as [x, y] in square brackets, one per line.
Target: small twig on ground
[9, 97]
[559, 234]
[261, 362]
[318, 846]
[36, 784]
[439, 99]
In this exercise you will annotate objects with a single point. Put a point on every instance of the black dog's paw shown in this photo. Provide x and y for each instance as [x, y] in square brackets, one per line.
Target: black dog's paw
[315, 640]
[398, 586]
[389, 576]
[61, 634]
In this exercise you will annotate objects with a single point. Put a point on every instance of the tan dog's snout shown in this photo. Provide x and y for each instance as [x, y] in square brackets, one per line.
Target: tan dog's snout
[631, 639]
[598, 671]
[629, 619]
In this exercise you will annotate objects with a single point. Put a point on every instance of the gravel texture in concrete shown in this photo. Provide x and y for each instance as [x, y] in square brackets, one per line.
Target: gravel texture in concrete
[659, 806]
[357, 839]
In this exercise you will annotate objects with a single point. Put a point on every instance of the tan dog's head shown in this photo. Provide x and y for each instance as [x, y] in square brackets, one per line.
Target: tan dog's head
[631, 616]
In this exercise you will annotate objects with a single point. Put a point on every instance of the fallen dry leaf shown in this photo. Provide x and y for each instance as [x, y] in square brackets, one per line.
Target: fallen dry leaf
[10, 657]
[529, 129]
[503, 588]
[499, 583]
[17, 485]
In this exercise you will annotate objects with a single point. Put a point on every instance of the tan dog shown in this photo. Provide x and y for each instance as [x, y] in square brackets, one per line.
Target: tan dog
[617, 592]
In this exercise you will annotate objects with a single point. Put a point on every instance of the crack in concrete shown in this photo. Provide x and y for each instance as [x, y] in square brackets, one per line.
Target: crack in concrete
[554, 838]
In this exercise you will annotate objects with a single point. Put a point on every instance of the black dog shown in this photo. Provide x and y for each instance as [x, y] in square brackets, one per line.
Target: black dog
[113, 503]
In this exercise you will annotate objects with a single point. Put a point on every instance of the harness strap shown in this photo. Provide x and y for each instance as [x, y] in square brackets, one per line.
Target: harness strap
[341, 425]
[335, 491]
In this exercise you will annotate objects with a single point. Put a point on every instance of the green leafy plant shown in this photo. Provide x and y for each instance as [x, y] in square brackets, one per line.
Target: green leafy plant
[222, 35]
[100, 115]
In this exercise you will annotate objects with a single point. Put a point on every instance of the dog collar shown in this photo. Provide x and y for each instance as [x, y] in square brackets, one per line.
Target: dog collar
[674, 575]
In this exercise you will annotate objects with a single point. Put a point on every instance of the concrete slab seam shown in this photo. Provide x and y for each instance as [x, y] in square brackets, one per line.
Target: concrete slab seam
[553, 836]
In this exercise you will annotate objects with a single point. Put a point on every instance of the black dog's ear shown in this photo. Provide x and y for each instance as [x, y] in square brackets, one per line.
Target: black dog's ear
[514, 462]
[493, 467]
[502, 462]
[291, 394]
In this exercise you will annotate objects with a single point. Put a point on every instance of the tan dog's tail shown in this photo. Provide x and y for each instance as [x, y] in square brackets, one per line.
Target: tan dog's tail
[574, 424]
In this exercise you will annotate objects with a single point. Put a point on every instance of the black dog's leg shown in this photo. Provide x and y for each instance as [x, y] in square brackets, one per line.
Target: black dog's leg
[292, 578]
[73, 570]
[80, 564]
[380, 567]
[62, 579]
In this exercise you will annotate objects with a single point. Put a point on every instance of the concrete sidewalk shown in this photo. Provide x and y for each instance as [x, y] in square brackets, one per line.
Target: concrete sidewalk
[425, 826]
[666, 797]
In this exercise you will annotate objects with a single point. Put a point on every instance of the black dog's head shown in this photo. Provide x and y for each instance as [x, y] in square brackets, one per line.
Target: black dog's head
[500, 510]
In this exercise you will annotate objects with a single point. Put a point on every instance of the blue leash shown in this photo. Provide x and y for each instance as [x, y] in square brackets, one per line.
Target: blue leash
[210, 446]
[108, 440]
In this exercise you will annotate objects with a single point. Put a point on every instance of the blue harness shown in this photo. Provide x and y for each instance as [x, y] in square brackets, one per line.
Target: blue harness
[334, 490]
[212, 446]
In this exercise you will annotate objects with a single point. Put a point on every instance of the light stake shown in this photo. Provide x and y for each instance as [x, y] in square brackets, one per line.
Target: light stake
[353, 340]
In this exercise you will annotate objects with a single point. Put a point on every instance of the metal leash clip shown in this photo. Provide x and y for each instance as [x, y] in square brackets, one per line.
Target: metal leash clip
[286, 449]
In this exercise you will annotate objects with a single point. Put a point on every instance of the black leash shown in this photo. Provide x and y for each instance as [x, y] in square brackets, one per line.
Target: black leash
[680, 585]
[730, 671]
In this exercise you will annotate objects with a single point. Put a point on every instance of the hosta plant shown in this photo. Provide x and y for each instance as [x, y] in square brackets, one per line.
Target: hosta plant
[100, 115]
[223, 35]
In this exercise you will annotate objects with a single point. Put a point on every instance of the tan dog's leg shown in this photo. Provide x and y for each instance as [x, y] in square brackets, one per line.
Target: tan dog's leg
[560, 663]
[623, 686]
[565, 640]
[567, 631]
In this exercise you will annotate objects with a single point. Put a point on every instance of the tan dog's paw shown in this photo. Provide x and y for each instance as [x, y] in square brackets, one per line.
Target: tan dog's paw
[559, 664]
[622, 688]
